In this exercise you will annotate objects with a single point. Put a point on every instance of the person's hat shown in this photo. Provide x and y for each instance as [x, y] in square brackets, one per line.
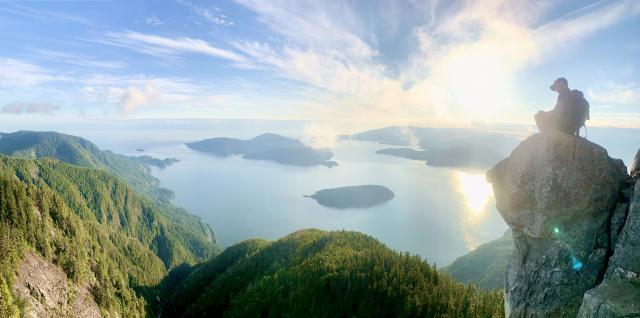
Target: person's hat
[560, 81]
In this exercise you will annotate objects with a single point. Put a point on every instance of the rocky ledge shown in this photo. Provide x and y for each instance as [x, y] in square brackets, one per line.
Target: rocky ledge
[576, 229]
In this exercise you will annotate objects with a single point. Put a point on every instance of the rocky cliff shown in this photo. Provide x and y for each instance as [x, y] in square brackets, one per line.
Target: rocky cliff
[576, 229]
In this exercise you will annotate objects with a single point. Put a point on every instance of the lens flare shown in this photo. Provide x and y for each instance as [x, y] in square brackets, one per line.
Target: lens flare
[576, 264]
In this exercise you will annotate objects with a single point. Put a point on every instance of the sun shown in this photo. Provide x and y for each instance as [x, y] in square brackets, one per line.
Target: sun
[478, 81]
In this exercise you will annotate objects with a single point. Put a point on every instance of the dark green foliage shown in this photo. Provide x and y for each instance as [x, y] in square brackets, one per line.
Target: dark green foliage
[156, 162]
[81, 152]
[94, 227]
[314, 273]
[171, 233]
[362, 196]
[486, 265]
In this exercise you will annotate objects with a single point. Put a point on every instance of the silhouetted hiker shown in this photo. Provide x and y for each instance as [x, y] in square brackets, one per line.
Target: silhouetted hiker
[569, 114]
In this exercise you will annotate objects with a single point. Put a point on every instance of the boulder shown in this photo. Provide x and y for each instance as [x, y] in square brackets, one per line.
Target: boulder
[565, 200]
[613, 299]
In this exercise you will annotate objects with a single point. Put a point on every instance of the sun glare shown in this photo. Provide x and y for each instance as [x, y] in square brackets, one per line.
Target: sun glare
[478, 81]
[476, 191]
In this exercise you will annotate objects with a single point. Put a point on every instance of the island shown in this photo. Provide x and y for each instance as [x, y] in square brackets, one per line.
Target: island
[458, 156]
[269, 147]
[151, 161]
[465, 148]
[353, 197]
[407, 153]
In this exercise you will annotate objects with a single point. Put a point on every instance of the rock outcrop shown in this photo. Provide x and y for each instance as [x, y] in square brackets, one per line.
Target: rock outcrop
[47, 292]
[568, 205]
[619, 293]
[635, 167]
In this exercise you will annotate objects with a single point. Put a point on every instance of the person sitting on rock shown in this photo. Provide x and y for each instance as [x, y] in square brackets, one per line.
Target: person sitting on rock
[569, 114]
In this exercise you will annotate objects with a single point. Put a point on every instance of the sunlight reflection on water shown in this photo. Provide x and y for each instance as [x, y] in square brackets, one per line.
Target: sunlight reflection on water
[476, 193]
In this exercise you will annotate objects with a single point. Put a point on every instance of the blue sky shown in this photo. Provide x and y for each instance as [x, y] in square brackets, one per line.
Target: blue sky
[374, 61]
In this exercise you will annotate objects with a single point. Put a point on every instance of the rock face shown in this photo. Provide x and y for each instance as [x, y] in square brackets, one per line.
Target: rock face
[619, 294]
[47, 292]
[567, 202]
[635, 167]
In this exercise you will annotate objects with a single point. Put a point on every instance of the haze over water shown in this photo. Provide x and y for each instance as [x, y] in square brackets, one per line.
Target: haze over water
[437, 213]
[431, 214]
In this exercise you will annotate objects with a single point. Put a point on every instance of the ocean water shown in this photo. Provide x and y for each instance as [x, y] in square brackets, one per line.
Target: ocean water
[437, 213]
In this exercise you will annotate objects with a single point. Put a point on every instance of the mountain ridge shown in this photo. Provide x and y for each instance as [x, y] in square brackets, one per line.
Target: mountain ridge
[82, 152]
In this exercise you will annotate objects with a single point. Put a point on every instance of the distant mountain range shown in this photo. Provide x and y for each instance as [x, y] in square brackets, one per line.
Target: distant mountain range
[270, 147]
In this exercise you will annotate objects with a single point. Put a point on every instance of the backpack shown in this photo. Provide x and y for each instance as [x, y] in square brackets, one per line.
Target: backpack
[575, 112]
[582, 106]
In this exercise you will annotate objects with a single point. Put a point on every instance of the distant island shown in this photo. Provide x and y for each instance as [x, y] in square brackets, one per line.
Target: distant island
[160, 163]
[140, 150]
[269, 147]
[459, 156]
[363, 196]
[442, 147]
[407, 153]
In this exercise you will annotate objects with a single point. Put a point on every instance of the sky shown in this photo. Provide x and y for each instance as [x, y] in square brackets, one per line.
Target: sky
[350, 61]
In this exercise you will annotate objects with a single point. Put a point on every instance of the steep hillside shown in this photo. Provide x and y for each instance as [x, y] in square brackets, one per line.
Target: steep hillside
[95, 228]
[313, 273]
[81, 152]
[484, 266]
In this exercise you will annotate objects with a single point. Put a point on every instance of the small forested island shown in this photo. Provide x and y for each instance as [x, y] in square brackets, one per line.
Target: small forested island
[363, 196]
[270, 147]
[156, 162]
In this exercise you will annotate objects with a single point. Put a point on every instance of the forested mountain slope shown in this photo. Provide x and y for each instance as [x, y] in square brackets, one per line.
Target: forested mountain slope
[313, 273]
[81, 152]
[95, 228]
[484, 266]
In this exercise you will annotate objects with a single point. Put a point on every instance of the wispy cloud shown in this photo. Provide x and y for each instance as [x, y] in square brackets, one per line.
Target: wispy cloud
[212, 15]
[628, 94]
[462, 65]
[166, 47]
[153, 20]
[17, 73]
[131, 93]
[29, 108]
[585, 21]
[80, 60]
[43, 15]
